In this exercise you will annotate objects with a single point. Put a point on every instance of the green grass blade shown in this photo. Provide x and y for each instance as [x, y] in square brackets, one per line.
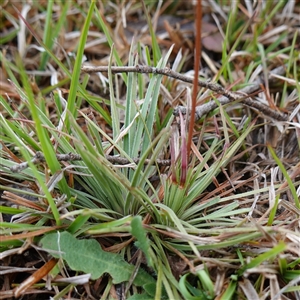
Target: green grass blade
[286, 176]
[229, 291]
[71, 106]
[113, 104]
[145, 123]
[130, 109]
[155, 46]
[47, 38]
[273, 211]
[23, 149]
[104, 28]
[46, 145]
[260, 259]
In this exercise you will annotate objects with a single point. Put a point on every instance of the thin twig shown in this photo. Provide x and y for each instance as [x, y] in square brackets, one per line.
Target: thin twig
[242, 96]
[227, 96]
[39, 158]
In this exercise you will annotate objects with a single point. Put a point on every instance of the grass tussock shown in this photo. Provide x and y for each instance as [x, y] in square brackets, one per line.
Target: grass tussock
[106, 192]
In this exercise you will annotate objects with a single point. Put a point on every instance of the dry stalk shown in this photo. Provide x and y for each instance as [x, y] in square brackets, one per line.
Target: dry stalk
[227, 96]
[39, 158]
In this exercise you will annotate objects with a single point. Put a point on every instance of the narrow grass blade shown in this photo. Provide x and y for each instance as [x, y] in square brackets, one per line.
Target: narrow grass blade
[130, 109]
[273, 211]
[155, 47]
[271, 254]
[77, 67]
[206, 283]
[105, 29]
[229, 291]
[113, 104]
[145, 123]
[286, 176]
[47, 38]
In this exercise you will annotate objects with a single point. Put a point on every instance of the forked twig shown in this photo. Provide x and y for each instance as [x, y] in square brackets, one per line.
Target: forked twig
[227, 96]
[39, 158]
[241, 95]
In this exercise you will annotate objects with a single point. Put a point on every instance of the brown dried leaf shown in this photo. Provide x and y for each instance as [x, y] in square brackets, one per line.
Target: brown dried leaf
[211, 37]
[35, 277]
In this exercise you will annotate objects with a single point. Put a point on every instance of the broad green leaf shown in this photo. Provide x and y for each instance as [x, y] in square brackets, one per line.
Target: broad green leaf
[140, 297]
[88, 257]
